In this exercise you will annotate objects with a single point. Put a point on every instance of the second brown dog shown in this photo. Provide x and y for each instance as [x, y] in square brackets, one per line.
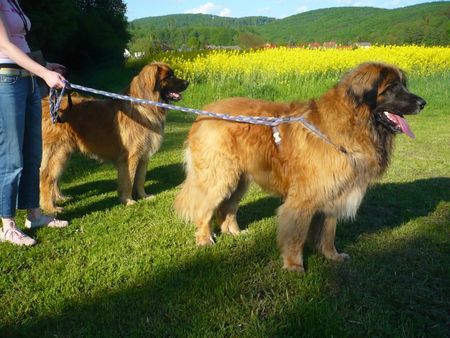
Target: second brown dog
[119, 131]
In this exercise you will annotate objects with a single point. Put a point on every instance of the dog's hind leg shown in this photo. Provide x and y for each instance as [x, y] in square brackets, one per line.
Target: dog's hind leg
[206, 187]
[54, 159]
[219, 184]
[226, 213]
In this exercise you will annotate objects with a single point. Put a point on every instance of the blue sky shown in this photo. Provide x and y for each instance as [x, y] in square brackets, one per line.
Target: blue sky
[239, 8]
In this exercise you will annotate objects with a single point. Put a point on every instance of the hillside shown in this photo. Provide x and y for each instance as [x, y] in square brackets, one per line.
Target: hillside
[197, 20]
[194, 31]
[426, 24]
[421, 24]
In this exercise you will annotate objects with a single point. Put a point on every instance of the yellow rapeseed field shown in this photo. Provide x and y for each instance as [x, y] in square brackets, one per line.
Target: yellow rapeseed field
[282, 63]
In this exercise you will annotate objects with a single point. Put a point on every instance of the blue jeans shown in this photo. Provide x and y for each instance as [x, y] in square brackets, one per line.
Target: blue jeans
[20, 144]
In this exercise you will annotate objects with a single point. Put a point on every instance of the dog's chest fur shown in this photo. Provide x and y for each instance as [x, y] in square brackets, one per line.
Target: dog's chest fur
[143, 130]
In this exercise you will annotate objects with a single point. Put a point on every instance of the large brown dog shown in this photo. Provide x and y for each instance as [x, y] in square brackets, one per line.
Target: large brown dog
[122, 132]
[318, 183]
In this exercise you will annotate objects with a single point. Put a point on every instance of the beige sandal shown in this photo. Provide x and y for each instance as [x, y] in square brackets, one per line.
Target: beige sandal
[45, 221]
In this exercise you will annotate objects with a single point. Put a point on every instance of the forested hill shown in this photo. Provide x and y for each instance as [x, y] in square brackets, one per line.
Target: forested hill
[421, 24]
[194, 31]
[426, 24]
[196, 20]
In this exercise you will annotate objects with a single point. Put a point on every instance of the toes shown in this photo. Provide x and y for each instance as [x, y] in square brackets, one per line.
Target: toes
[204, 240]
[344, 256]
[294, 268]
[293, 263]
[129, 202]
[338, 257]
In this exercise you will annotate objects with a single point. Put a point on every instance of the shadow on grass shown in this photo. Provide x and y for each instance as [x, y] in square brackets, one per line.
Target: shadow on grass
[163, 178]
[79, 165]
[400, 290]
[384, 206]
[180, 117]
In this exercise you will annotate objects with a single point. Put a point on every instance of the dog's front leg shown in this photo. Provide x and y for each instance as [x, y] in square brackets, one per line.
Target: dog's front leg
[292, 234]
[325, 243]
[139, 180]
[126, 172]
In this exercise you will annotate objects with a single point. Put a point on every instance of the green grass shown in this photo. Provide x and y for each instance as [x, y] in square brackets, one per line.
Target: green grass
[136, 271]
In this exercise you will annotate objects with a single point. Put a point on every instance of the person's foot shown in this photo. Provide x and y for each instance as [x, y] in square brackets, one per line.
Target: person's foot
[15, 236]
[45, 221]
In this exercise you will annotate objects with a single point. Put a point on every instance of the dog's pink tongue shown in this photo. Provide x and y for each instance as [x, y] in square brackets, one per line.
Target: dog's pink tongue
[403, 124]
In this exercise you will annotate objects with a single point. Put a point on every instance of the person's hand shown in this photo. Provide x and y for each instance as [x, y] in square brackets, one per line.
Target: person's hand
[54, 79]
[56, 67]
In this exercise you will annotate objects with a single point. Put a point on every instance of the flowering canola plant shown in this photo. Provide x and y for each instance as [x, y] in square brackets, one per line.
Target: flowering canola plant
[283, 63]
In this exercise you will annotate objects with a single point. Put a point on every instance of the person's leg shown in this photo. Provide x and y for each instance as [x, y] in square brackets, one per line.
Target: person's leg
[32, 155]
[12, 125]
[32, 150]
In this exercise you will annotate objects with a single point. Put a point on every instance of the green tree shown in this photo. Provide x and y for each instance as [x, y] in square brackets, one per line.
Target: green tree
[250, 40]
[53, 26]
[79, 33]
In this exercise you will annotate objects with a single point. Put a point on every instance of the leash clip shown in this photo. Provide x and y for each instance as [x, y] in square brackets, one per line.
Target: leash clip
[55, 99]
[276, 135]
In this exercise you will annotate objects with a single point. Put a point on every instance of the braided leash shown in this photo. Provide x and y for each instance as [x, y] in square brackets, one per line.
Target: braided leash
[273, 122]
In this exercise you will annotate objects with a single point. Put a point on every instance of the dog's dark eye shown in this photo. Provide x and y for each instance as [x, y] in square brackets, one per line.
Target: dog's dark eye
[386, 89]
[394, 86]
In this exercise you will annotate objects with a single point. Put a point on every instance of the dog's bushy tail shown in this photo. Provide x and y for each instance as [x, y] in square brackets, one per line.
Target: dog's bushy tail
[185, 201]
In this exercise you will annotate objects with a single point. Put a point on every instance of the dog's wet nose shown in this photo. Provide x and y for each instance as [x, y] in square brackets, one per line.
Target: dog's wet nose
[422, 103]
[186, 83]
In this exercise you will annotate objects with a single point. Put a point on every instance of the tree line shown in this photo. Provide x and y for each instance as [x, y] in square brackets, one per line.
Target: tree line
[80, 34]
[423, 24]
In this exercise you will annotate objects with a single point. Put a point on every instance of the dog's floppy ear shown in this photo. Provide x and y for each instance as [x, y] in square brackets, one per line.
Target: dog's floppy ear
[146, 83]
[363, 84]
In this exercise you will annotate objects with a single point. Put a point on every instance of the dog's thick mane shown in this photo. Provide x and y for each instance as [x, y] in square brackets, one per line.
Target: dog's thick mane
[145, 86]
[357, 92]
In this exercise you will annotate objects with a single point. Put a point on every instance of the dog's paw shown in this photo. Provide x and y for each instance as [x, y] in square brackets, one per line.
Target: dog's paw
[204, 240]
[294, 268]
[129, 202]
[343, 256]
[53, 210]
[58, 210]
[294, 264]
[148, 197]
[231, 229]
[63, 198]
[338, 257]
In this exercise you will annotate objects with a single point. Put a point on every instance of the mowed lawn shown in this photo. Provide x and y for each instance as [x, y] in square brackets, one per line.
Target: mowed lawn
[136, 272]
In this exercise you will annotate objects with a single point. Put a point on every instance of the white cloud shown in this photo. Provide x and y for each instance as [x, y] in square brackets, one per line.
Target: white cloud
[210, 8]
[301, 9]
[345, 2]
[354, 3]
[395, 3]
[225, 12]
[264, 10]
[206, 8]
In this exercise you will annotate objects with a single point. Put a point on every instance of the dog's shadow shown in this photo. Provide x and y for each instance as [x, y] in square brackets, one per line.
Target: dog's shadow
[386, 205]
[159, 179]
[169, 302]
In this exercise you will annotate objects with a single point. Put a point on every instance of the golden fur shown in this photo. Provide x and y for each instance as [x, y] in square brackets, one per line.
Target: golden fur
[318, 183]
[119, 131]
